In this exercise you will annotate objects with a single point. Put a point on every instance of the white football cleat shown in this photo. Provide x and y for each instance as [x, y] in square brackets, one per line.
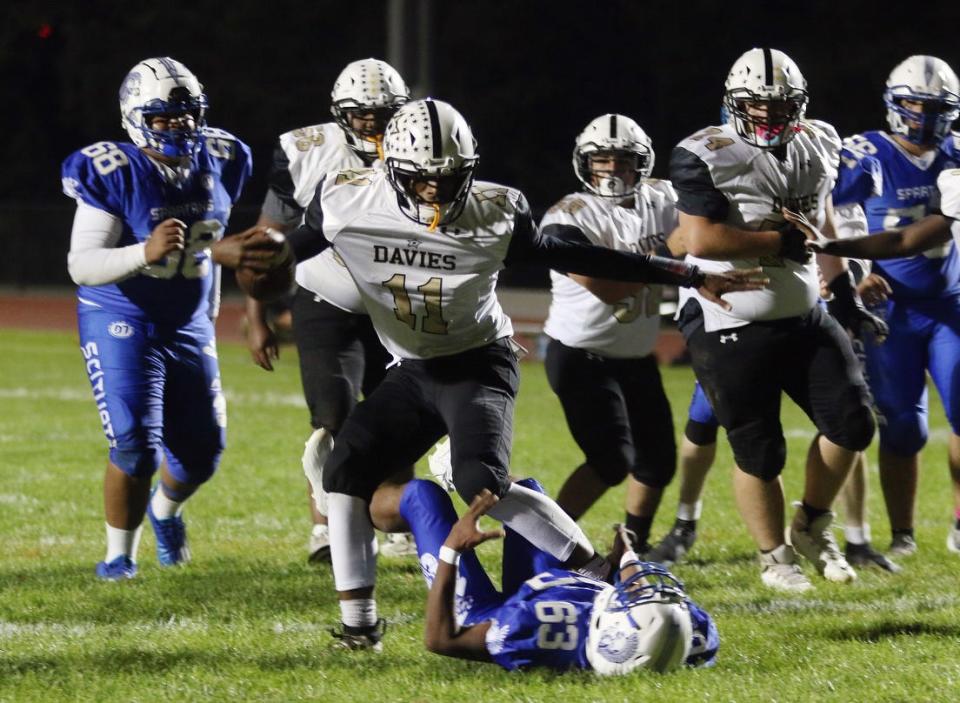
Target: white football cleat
[398, 544]
[780, 570]
[440, 465]
[815, 542]
[953, 540]
[316, 451]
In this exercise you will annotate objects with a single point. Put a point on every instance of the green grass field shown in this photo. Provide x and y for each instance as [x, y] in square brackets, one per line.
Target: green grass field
[248, 619]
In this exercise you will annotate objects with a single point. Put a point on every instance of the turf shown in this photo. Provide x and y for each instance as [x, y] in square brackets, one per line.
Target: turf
[248, 619]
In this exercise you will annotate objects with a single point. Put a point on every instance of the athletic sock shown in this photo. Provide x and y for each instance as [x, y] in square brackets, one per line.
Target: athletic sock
[163, 507]
[813, 513]
[122, 543]
[689, 511]
[360, 613]
[640, 526]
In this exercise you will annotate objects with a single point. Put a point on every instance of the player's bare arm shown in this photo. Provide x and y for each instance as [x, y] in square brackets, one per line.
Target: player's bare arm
[928, 232]
[708, 239]
[442, 635]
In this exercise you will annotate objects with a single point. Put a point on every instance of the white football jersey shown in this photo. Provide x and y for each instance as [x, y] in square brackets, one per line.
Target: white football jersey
[577, 317]
[948, 183]
[312, 153]
[757, 185]
[428, 293]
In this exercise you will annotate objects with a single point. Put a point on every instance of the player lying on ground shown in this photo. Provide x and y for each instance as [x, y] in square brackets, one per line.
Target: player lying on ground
[545, 616]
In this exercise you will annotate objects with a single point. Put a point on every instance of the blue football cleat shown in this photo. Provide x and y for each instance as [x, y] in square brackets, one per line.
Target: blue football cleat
[171, 537]
[123, 567]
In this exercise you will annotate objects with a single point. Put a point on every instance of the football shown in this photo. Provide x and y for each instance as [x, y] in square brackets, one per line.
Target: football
[271, 285]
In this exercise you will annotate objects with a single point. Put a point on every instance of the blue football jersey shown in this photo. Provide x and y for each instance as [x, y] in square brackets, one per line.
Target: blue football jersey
[907, 192]
[545, 623]
[121, 179]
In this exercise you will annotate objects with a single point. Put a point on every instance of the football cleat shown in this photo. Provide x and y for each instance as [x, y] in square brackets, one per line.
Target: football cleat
[319, 546]
[674, 545]
[953, 540]
[316, 451]
[779, 570]
[121, 568]
[171, 536]
[865, 555]
[815, 542]
[441, 468]
[902, 544]
[399, 544]
[356, 638]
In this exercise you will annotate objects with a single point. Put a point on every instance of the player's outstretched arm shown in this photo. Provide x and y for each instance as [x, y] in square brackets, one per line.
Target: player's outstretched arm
[442, 636]
[931, 231]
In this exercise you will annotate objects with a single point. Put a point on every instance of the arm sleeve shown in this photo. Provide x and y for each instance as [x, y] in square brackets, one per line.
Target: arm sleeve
[307, 240]
[93, 259]
[280, 204]
[696, 193]
[568, 255]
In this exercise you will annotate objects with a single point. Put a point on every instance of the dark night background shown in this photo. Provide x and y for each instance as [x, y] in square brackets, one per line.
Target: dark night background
[526, 74]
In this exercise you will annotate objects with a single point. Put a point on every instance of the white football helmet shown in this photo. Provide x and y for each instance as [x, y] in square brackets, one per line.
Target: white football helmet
[765, 78]
[612, 134]
[932, 83]
[162, 86]
[642, 622]
[428, 143]
[368, 85]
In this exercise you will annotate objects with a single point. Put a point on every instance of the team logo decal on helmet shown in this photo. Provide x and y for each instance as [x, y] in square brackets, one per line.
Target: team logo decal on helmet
[600, 149]
[765, 96]
[430, 155]
[163, 87]
[373, 89]
[642, 622]
[932, 90]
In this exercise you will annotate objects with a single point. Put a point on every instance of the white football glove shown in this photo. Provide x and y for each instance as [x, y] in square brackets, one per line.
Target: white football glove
[316, 451]
[440, 465]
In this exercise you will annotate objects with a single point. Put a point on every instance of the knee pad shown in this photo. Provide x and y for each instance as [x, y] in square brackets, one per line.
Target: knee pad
[655, 474]
[472, 476]
[613, 465]
[904, 435]
[141, 462]
[199, 463]
[764, 459]
[701, 433]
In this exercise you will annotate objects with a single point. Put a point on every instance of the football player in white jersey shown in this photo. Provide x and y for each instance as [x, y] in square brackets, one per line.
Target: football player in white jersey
[733, 181]
[340, 355]
[600, 360]
[425, 243]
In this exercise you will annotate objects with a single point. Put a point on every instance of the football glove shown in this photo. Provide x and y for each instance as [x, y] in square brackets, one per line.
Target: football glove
[793, 245]
[849, 310]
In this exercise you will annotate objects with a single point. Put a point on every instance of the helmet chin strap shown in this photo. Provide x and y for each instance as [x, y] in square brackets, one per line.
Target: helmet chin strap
[378, 142]
[436, 218]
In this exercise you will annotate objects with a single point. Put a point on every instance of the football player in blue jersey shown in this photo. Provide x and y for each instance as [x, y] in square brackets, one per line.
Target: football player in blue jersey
[545, 616]
[923, 310]
[145, 249]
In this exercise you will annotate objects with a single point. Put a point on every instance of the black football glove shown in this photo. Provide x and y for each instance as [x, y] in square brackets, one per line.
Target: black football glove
[793, 245]
[849, 310]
